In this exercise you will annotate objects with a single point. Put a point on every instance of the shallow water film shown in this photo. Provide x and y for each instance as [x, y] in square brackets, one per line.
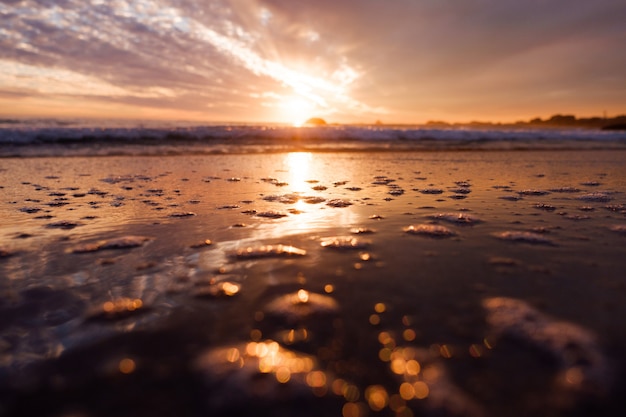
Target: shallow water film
[310, 283]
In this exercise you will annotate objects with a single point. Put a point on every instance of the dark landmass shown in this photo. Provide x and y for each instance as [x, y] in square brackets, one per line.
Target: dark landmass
[558, 120]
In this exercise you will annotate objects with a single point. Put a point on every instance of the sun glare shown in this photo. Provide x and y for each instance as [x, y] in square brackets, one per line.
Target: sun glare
[297, 110]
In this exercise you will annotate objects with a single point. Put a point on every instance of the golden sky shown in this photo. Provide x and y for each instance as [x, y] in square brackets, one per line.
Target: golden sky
[348, 61]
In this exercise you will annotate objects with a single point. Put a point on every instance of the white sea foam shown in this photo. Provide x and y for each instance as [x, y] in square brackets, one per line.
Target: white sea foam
[229, 138]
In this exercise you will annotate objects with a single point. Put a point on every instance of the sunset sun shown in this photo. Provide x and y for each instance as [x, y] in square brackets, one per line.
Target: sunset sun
[297, 110]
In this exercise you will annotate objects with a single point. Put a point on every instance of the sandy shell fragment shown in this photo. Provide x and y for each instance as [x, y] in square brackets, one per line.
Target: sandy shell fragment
[268, 251]
[344, 242]
[432, 230]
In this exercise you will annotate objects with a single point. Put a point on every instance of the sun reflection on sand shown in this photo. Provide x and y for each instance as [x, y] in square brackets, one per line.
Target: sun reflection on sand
[299, 164]
[306, 206]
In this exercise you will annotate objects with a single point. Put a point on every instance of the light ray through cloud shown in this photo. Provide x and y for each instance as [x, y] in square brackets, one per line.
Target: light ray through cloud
[123, 28]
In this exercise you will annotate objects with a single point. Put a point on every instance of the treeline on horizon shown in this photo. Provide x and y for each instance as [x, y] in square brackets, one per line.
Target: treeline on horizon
[558, 120]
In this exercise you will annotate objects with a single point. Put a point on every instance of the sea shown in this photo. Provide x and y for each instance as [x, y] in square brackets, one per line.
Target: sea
[63, 137]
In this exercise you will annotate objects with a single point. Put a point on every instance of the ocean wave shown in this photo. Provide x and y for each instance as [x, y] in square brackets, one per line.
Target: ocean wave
[183, 137]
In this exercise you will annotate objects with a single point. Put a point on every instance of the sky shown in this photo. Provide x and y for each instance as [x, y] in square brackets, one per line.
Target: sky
[347, 61]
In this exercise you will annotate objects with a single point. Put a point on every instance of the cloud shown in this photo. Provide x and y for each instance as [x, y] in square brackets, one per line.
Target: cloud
[353, 59]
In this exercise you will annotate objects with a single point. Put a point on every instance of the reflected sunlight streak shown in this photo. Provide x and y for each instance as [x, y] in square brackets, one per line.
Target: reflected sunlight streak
[299, 167]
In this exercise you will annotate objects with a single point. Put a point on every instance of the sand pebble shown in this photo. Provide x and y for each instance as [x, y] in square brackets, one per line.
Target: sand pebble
[531, 192]
[424, 377]
[430, 190]
[575, 348]
[546, 207]
[256, 375]
[30, 210]
[63, 224]
[268, 251]
[300, 305]
[229, 207]
[95, 191]
[565, 190]
[361, 230]
[396, 191]
[577, 217]
[502, 261]
[313, 200]
[271, 214]
[285, 199]
[617, 208]
[201, 244]
[181, 214]
[595, 197]
[619, 228]
[457, 218]
[338, 203]
[57, 203]
[344, 242]
[524, 237]
[124, 242]
[432, 230]
[510, 198]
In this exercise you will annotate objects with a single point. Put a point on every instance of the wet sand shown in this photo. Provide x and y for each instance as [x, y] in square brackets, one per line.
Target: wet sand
[354, 284]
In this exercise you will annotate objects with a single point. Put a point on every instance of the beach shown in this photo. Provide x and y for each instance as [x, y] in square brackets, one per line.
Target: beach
[315, 282]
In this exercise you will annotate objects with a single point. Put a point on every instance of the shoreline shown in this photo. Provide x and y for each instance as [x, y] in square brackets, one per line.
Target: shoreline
[104, 149]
